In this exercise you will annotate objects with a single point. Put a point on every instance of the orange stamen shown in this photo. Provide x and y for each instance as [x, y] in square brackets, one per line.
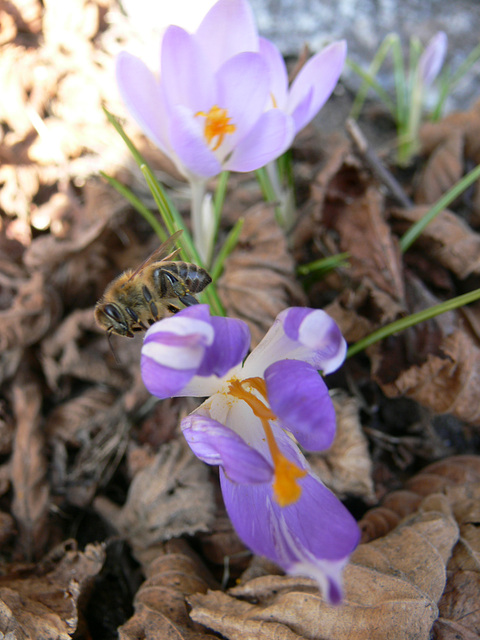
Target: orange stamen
[217, 125]
[285, 486]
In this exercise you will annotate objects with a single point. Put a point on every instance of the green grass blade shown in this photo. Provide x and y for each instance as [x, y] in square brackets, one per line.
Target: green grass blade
[369, 78]
[324, 265]
[371, 84]
[139, 159]
[412, 320]
[417, 229]
[138, 205]
[401, 87]
[227, 248]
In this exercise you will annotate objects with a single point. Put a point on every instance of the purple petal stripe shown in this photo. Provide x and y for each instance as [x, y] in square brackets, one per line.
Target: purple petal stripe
[229, 347]
[216, 444]
[299, 398]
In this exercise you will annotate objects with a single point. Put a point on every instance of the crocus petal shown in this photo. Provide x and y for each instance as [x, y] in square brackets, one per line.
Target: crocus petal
[303, 109]
[229, 347]
[186, 75]
[227, 29]
[216, 444]
[269, 138]
[173, 351]
[432, 58]
[189, 145]
[143, 98]
[315, 330]
[299, 333]
[299, 398]
[243, 78]
[312, 537]
[278, 72]
[320, 73]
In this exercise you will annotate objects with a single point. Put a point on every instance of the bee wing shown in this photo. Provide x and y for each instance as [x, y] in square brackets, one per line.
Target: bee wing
[158, 254]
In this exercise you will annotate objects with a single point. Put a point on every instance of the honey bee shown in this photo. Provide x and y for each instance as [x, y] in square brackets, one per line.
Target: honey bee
[139, 297]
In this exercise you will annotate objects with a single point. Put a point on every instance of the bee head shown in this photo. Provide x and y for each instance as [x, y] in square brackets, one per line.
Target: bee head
[110, 317]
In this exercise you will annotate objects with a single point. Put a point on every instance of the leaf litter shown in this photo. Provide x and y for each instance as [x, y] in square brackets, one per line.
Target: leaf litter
[97, 485]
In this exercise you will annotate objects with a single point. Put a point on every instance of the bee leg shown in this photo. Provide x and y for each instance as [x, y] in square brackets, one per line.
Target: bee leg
[172, 308]
[178, 287]
[188, 300]
[153, 307]
[180, 290]
[136, 319]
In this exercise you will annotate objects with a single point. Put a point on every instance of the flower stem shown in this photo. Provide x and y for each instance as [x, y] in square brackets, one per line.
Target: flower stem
[198, 188]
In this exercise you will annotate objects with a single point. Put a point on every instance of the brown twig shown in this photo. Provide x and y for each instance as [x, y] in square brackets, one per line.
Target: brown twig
[375, 164]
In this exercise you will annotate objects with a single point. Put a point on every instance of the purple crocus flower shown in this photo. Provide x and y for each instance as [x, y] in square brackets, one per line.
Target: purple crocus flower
[220, 97]
[432, 58]
[256, 412]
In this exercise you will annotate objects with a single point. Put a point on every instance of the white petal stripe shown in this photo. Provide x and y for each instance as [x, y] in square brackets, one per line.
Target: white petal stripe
[183, 326]
[180, 358]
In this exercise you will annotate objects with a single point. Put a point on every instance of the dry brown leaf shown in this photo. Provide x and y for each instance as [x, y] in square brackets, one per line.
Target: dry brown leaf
[160, 606]
[392, 587]
[338, 151]
[447, 239]
[259, 281]
[64, 357]
[346, 467]
[103, 444]
[35, 309]
[447, 382]
[458, 478]
[171, 497]
[7, 527]
[374, 254]
[44, 601]
[28, 469]
[444, 168]
[346, 311]
[449, 145]
[438, 477]
[459, 611]
[73, 421]
[6, 430]
[375, 293]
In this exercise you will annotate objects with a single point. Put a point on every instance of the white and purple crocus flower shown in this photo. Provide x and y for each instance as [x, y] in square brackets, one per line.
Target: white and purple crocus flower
[258, 410]
[218, 99]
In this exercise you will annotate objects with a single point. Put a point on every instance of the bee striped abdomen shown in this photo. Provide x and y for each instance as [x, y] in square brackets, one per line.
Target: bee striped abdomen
[194, 276]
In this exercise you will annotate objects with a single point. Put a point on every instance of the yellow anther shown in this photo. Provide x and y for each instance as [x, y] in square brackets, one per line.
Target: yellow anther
[260, 409]
[285, 486]
[217, 125]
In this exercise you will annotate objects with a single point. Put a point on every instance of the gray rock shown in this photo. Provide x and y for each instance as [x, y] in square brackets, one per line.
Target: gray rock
[364, 24]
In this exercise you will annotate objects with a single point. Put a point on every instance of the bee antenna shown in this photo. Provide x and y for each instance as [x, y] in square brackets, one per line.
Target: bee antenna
[109, 338]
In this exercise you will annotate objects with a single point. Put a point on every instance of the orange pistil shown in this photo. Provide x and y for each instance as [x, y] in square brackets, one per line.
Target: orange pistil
[285, 486]
[217, 125]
